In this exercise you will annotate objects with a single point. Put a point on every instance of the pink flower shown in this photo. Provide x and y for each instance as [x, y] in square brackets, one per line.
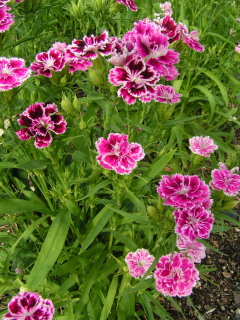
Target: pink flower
[175, 275]
[129, 4]
[39, 119]
[12, 73]
[166, 94]
[120, 51]
[136, 79]
[226, 180]
[193, 223]
[184, 191]
[166, 8]
[29, 306]
[116, 153]
[193, 249]
[237, 48]
[3, 3]
[191, 39]
[139, 262]
[202, 146]
[52, 60]
[6, 19]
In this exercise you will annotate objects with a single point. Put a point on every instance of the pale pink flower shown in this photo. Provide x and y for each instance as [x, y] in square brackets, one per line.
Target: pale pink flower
[130, 4]
[226, 180]
[29, 306]
[202, 146]
[12, 73]
[139, 262]
[116, 153]
[196, 251]
[60, 46]
[192, 223]
[166, 94]
[39, 119]
[175, 275]
[184, 191]
[52, 60]
[121, 50]
[166, 8]
[237, 48]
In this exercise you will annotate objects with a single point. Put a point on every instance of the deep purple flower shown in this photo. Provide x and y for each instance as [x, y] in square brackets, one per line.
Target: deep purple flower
[39, 119]
[226, 180]
[196, 251]
[139, 262]
[166, 94]
[184, 191]
[130, 4]
[202, 146]
[175, 275]
[52, 60]
[193, 223]
[116, 153]
[12, 73]
[29, 306]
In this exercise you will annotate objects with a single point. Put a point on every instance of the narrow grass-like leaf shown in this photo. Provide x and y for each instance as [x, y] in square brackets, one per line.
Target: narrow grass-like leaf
[18, 205]
[129, 243]
[96, 188]
[50, 250]
[135, 200]
[210, 98]
[109, 299]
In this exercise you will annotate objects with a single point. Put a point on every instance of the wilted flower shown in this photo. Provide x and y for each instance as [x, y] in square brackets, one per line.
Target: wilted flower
[202, 146]
[12, 73]
[29, 306]
[175, 275]
[39, 119]
[129, 4]
[166, 94]
[193, 223]
[139, 262]
[184, 191]
[194, 250]
[46, 61]
[116, 153]
[226, 180]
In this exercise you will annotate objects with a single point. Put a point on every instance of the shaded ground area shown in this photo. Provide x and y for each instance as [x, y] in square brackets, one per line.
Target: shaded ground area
[217, 297]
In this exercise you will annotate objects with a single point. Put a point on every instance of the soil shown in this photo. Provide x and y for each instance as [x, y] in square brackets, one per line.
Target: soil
[217, 295]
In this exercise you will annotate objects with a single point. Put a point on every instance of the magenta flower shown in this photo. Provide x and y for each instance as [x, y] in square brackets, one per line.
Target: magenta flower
[29, 306]
[139, 262]
[12, 73]
[194, 250]
[39, 119]
[116, 153]
[136, 79]
[166, 94]
[191, 39]
[175, 275]
[226, 180]
[237, 48]
[193, 223]
[6, 19]
[202, 146]
[184, 191]
[3, 3]
[129, 4]
[52, 60]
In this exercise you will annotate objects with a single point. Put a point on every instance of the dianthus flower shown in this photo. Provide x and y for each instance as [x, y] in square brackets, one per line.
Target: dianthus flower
[130, 4]
[39, 119]
[237, 48]
[166, 94]
[202, 146]
[52, 60]
[194, 250]
[193, 223]
[116, 153]
[6, 19]
[191, 39]
[184, 191]
[226, 180]
[29, 306]
[3, 3]
[139, 262]
[166, 8]
[175, 275]
[12, 73]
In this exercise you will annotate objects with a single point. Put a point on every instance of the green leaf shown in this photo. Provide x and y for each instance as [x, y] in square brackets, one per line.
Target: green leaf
[34, 164]
[21, 206]
[135, 200]
[50, 250]
[96, 188]
[130, 244]
[8, 165]
[210, 97]
[109, 299]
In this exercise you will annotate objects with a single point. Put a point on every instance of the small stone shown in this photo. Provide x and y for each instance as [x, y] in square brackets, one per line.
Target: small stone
[236, 297]
[227, 275]
[222, 308]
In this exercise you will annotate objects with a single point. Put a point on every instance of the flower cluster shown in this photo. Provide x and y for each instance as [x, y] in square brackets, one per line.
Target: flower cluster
[6, 18]
[175, 275]
[29, 306]
[139, 262]
[202, 146]
[116, 153]
[39, 119]
[77, 55]
[226, 180]
[12, 73]
[129, 4]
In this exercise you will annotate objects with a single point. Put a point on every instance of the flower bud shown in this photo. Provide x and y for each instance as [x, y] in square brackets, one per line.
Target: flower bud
[67, 105]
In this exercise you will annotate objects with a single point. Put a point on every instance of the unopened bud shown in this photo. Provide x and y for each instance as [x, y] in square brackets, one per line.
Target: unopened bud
[66, 105]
